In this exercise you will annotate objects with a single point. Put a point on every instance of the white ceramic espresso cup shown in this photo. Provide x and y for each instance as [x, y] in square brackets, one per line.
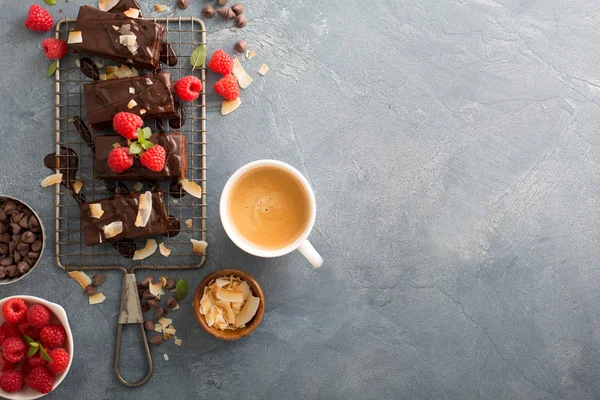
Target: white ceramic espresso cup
[301, 244]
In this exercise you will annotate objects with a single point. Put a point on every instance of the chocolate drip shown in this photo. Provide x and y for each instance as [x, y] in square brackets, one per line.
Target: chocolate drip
[167, 55]
[67, 163]
[84, 131]
[178, 121]
[117, 187]
[126, 248]
[175, 190]
[174, 227]
[89, 68]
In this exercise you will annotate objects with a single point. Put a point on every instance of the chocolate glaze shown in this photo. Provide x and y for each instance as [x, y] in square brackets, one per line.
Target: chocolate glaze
[89, 68]
[123, 208]
[175, 163]
[105, 99]
[126, 248]
[175, 190]
[116, 187]
[124, 5]
[84, 131]
[101, 39]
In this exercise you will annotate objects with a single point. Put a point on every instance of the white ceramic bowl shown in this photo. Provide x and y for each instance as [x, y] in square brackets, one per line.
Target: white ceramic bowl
[59, 317]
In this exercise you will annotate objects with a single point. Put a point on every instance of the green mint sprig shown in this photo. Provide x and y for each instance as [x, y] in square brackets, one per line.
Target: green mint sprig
[143, 142]
[34, 347]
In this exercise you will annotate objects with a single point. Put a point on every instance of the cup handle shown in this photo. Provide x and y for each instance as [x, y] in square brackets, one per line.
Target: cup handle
[311, 254]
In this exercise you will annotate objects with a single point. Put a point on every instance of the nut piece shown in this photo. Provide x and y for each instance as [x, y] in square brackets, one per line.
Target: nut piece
[52, 180]
[208, 11]
[226, 13]
[146, 281]
[241, 21]
[81, 278]
[160, 7]
[230, 106]
[159, 312]
[237, 8]
[90, 290]
[97, 298]
[241, 46]
[183, 4]
[75, 37]
[98, 279]
[263, 69]
[198, 246]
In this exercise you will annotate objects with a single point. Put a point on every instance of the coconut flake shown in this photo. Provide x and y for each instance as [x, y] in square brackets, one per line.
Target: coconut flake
[144, 210]
[132, 12]
[125, 29]
[124, 72]
[230, 106]
[158, 327]
[250, 54]
[111, 69]
[97, 298]
[164, 250]
[157, 289]
[132, 103]
[142, 111]
[165, 322]
[198, 246]
[52, 180]
[77, 185]
[240, 73]
[146, 252]
[245, 289]
[107, 5]
[113, 229]
[77, 64]
[96, 210]
[132, 90]
[221, 282]
[116, 28]
[188, 222]
[149, 81]
[160, 7]
[81, 278]
[75, 37]
[98, 64]
[191, 187]
[247, 312]
[178, 342]
[263, 69]
[229, 295]
[166, 357]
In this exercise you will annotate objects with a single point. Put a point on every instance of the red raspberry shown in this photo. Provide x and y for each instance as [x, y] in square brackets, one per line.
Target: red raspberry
[26, 329]
[10, 330]
[221, 62]
[60, 361]
[119, 159]
[227, 87]
[5, 364]
[1, 336]
[38, 315]
[53, 335]
[14, 311]
[55, 49]
[127, 124]
[154, 158]
[40, 379]
[38, 19]
[36, 360]
[14, 349]
[11, 380]
[188, 88]
[26, 369]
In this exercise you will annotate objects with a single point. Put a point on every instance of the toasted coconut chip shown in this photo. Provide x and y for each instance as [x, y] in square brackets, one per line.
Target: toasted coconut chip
[77, 63]
[116, 28]
[170, 330]
[166, 336]
[146, 252]
[102, 77]
[125, 29]
[205, 304]
[111, 69]
[113, 229]
[230, 295]
[226, 306]
[96, 210]
[52, 180]
[191, 187]
[176, 307]
[158, 327]
[81, 278]
[138, 186]
[143, 111]
[157, 288]
[107, 5]
[116, 145]
[134, 72]
[149, 81]
[75, 37]
[124, 72]
[98, 64]
[164, 250]
[132, 12]
[263, 69]
[166, 357]
[163, 279]
[188, 222]
[97, 298]
[245, 289]
[230, 106]
[250, 54]
[240, 73]
[132, 103]
[144, 210]
[160, 7]
[178, 342]
[248, 311]
[132, 90]
[221, 282]
[198, 246]
[111, 76]
[77, 185]
[165, 322]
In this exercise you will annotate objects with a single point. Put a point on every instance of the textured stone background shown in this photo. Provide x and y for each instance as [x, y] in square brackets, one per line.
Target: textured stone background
[453, 148]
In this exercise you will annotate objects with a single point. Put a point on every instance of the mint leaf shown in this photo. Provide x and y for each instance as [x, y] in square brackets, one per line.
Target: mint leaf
[32, 351]
[147, 145]
[181, 289]
[147, 133]
[28, 340]
[52, 67]
[135, 148]
[50, 2]
[198, 57]
[45, 355]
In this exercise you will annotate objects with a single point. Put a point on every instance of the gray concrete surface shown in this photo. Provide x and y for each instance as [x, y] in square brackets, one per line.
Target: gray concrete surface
[453, 147]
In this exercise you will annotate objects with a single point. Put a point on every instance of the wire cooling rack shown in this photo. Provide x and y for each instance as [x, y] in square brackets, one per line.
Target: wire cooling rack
[184, 35]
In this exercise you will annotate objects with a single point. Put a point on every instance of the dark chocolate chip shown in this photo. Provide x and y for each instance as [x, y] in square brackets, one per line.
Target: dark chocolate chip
[97, 279]
[23, 267]
[9, 207]
[222, 2]
[3, 227]
[241, 21]
[3, 249]
[89, 69]
[90, 290]
[3, 216]
[226, 13]
[237, 8]
[159, 312]
[156, 339]
[34, 255]
[6, 261]
[16, 228]
[33, 222]
[149, 325]
[28, 237]
[126, 248]
[170, 285]
[172, 302]
[17, 256]
[147, 295]
[17, 216]
[37, 245]
[23, 246]
[153, 303]
[241, 46]
[183, 4]
[175, 190]
[208, 11]
[5, 237]
[174, 227]
[24, 223]
[11, 271]
[146, 281]
[145, 308]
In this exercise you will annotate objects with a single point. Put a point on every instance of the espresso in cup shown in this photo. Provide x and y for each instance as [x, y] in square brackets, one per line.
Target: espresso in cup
[269, 207]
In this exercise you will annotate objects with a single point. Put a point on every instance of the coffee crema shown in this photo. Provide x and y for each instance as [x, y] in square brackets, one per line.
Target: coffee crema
[269, 207]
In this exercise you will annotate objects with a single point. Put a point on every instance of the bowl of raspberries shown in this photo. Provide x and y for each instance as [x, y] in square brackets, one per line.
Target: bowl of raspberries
[36, 347]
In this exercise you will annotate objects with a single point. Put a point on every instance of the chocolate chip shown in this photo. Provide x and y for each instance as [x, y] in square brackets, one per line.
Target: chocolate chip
[208, 11]
[172, 303]
[9, 207]
[3, 227]
[240, 21]
[5, 237]
[226, 13]
[17, 256]
[237, 8]
[222, 2]
[159, 312]
[149, 325]
[28, 237]
[6, 261]
[241, 46]
[37, 245]
[153, 303]
[174, 227]
[34, 255]
[97, 279]
[11, 271]
[17, 216]
[145, 308]
[146, 281]
[183, 4]
[22, 246]
[33, 222]
[89, 68]
[16, 228]
[3, 249]
[2, 274]
[23, 267]
[90, 290]
[147, 295]
[24, 223]
[156, 339]
[178, 122]
[170, 285]
[3, 216]
[12, 246]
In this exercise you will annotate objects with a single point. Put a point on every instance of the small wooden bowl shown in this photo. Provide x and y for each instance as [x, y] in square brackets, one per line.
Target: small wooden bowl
[230, 334]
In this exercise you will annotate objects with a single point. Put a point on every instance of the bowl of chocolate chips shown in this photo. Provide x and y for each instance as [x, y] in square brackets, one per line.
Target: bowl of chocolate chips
[21, 239]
